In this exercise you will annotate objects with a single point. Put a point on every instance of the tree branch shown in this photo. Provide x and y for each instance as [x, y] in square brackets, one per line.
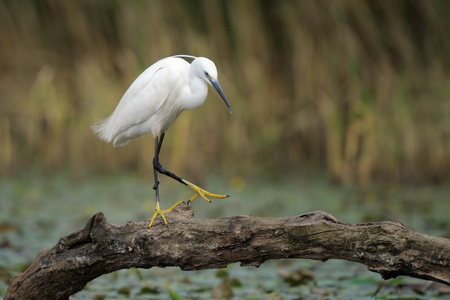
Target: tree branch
[387, 248]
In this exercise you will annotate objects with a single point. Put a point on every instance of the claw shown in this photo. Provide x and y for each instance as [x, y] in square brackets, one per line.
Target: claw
[202, 193]
[159, 211]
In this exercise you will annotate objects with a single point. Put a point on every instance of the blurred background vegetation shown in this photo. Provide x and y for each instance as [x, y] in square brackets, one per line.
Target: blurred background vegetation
[358, 90]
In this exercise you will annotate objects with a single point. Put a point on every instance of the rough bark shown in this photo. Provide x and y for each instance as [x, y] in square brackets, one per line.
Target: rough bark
[387, 248]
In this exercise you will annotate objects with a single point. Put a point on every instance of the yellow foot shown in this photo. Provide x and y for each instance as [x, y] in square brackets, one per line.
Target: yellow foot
[159, 211]
[202, 193]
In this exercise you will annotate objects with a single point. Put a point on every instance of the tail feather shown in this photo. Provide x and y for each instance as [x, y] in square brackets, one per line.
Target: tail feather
[101, 129]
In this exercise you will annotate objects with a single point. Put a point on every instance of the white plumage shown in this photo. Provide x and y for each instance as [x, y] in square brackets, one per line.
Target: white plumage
[152, 104]
[157, 97]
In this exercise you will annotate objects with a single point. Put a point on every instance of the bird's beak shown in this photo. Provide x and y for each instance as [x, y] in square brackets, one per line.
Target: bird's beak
[216, 85]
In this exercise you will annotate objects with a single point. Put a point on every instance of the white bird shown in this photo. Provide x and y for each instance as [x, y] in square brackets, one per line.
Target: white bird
[152, 104]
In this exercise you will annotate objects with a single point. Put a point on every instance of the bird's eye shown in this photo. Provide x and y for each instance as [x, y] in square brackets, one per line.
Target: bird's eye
[207, 74]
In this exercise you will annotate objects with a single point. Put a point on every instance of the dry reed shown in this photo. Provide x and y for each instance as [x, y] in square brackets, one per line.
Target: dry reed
[360, 89]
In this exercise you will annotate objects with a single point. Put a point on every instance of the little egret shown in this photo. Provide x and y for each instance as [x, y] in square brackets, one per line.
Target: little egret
[152, 104]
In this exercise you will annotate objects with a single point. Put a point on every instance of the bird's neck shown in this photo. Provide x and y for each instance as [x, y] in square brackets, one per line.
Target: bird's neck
[198, 90]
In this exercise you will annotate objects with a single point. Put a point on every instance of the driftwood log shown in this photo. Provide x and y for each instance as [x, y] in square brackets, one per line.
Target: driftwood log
[387, 248]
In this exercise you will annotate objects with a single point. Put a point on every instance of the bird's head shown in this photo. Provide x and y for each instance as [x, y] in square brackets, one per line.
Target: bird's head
[206, 69]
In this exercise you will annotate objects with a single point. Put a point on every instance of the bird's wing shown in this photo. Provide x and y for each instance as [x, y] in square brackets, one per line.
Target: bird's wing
[144, 97]
[142, 100]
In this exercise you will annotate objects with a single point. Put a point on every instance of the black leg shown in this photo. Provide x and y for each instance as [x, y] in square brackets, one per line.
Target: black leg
[157, 166]
[155, 173]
